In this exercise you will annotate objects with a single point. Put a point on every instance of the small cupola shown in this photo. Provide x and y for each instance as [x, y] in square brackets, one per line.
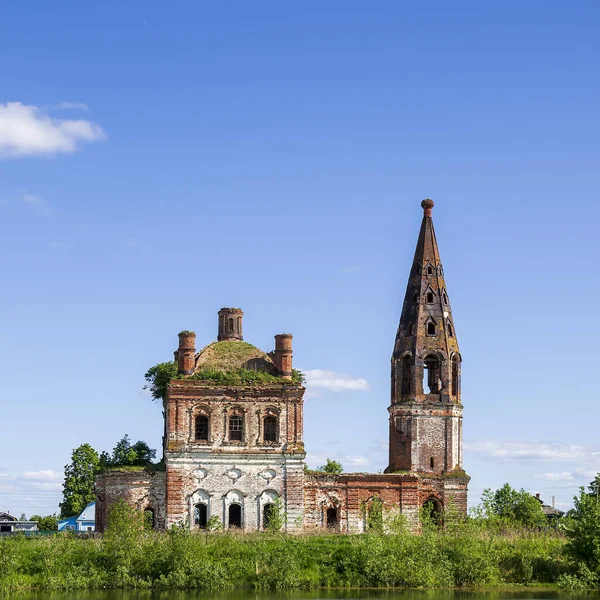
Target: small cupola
[230, 324]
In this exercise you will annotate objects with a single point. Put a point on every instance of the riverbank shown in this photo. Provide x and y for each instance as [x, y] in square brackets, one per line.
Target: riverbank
[222, 561]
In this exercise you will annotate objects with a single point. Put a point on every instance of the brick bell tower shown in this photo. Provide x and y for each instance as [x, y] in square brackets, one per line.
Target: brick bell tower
[426, 410]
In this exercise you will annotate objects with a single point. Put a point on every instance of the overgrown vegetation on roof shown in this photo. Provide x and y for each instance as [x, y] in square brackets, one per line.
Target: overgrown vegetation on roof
[159, 376]
[229, 355]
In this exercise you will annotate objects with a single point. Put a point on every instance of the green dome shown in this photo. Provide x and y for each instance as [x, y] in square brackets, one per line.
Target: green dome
[232, 356]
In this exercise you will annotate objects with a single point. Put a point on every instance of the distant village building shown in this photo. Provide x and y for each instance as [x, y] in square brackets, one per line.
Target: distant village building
[11, 524]
[234, 448]
[552, 513]
[85, 522]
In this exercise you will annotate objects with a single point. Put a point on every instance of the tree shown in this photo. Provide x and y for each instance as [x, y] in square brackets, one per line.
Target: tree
[125, 454]
[513, 506]
[594, 487]
[48, 523]
[331, 466]
[78, 487]
[583, 530]
[158, 378]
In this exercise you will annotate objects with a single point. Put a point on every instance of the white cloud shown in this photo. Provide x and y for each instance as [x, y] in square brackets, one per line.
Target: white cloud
[71, 106]
[351, 463]
[43, 475]
[580, 475]
[334, 382]
[31, 491]
[564, 476]
[522, 450]
[27, 130]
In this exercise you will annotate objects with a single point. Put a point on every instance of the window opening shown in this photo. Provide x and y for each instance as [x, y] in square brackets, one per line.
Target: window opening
[268, 514]
[431, 462]
[434, 510]
[431, 328]
[429, 270]
[332, 517]
[270, 429]
[445, 299]
[235, 515]
[429, 297]
[406, 379]
[432, 375]
[200, 515]
[236, 428]
[149, 518]
[201, 428]
[230, 325]
[450, 331]
[455, 376]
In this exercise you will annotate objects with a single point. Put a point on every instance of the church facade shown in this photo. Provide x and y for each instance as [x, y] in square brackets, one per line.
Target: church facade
[233, 428]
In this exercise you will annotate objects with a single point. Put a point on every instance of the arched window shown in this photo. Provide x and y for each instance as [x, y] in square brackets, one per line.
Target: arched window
[431, 328]
[200, 515]
[450, 330]
[269, 511]
[429, 297]
[434, 509]
[230, 325]
[149, 518]
[236, 428]
[429, 270]
[445, 298]
[406, 377]
[270, 429]
[201, 428]
[455, 374]
[235, 516]
[432, 374]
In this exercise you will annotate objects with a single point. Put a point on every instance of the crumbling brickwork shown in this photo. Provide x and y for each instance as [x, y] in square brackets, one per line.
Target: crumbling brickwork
[139, 488]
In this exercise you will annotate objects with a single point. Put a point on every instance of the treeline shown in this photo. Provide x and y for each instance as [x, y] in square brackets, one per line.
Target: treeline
[485, 550]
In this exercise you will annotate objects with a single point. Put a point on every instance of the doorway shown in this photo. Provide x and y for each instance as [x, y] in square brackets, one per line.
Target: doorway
[331, 517]
[235, 515]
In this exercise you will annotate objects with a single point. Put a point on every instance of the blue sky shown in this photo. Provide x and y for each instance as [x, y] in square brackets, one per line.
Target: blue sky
[161, 160]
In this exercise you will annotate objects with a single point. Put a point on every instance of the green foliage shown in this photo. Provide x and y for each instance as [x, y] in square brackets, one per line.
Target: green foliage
[512, 506]
[158, 378]
[47, 523]
[236, 377]
[298, 376]
[373, 514]
[128, 556]
[276, 516]
[125, 454]
[78, 487]
[331, 466]
[582, 528]
[214, 523]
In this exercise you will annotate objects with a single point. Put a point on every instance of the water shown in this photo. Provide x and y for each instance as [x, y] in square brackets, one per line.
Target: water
[312, 595]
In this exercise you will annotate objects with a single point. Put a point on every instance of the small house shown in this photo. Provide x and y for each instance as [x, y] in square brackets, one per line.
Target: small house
[10, 524]
[82, 523]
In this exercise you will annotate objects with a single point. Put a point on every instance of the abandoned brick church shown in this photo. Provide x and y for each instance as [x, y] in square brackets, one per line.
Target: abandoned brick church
[232, 447]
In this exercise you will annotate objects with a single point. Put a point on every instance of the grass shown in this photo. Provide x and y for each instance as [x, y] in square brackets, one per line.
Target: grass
[127, 559]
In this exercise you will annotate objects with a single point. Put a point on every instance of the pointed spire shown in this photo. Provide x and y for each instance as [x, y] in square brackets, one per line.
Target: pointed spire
[427, 248]
[426, 326]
